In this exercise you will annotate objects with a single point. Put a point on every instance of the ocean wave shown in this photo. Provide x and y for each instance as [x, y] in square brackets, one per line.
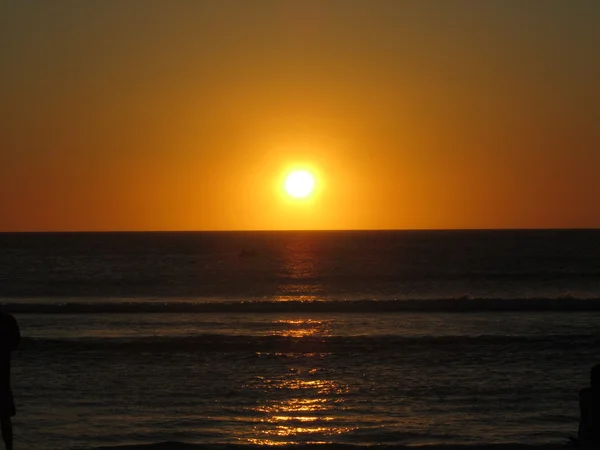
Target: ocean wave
[284, 346]
[454, 305]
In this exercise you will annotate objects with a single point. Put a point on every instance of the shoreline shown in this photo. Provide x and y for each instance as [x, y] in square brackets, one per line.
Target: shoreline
[187, 446]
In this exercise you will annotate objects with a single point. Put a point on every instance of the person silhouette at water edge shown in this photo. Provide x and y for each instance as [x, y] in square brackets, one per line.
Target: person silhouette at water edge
[589, 407]
[10, 337]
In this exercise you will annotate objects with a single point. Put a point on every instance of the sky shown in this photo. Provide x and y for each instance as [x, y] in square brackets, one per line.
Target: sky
[186, 115]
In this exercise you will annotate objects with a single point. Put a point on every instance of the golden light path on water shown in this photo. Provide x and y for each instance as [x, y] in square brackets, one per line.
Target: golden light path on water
[306, 415]
[301, 261]
[303, 328]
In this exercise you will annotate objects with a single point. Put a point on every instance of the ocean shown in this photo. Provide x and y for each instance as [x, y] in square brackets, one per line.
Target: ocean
[362, 338]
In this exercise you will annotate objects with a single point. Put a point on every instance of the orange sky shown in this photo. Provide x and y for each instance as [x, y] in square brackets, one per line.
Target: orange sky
[185, 115]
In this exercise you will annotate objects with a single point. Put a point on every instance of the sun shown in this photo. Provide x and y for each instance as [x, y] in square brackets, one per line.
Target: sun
[299, 183]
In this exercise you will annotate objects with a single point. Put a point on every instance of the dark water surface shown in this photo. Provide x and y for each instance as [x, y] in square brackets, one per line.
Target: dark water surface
[364, 338]
[379, 265]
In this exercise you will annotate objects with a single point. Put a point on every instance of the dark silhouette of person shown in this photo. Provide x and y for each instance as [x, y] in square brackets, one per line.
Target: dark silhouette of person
[589, 407]
[10, 337]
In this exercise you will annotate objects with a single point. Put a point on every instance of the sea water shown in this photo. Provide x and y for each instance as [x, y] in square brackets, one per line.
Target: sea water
[359, 338]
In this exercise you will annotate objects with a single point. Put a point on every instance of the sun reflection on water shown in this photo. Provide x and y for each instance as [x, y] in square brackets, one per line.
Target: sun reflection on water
[300, 402]
[300, 272]
[296, 421]
[299, 328]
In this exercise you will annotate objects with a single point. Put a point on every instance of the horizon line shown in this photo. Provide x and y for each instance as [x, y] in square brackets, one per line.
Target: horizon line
[125, 231]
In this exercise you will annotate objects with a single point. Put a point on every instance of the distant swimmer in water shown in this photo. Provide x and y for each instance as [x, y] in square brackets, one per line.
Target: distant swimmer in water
[589, 407]
[10, 337]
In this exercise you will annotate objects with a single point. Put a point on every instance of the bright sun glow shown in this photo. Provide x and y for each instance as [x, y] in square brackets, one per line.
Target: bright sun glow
[299, 183]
